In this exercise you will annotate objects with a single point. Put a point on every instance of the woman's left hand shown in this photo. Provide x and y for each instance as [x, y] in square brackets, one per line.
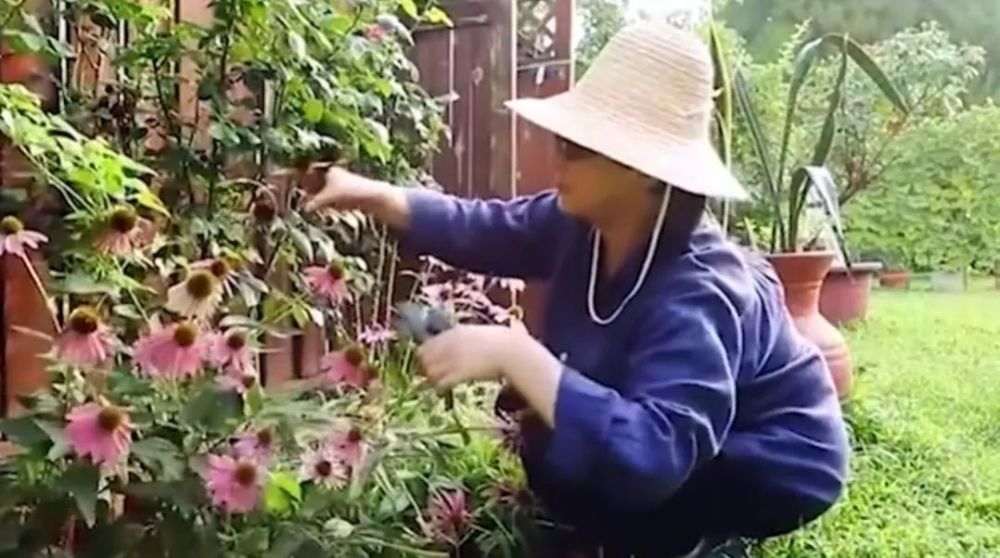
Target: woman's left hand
[469, 353]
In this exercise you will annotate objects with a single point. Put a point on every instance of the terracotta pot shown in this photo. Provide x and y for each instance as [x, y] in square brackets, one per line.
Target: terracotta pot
[802, 276]
[31, 71]
[895, 279]
[846, 294]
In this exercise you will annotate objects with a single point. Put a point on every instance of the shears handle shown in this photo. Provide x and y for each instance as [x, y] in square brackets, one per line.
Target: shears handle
[421, 324]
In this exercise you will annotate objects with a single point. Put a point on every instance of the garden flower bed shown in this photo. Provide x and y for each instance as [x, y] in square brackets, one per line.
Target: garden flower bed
[179, 259]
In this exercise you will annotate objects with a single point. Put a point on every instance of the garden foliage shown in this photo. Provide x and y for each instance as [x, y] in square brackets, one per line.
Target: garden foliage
[181, 251]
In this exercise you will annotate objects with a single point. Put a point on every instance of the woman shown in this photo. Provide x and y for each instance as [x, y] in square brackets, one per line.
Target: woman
[675, 406]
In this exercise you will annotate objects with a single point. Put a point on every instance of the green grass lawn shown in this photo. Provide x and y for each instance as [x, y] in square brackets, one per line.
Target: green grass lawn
[926, 426]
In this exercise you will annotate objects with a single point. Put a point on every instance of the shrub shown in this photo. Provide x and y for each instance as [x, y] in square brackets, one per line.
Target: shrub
[940, 208]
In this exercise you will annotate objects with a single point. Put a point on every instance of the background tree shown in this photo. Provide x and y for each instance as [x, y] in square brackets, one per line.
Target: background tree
[601, 19]
[768, 23]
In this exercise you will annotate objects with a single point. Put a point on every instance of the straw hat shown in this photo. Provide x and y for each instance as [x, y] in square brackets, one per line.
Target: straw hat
[647, 103]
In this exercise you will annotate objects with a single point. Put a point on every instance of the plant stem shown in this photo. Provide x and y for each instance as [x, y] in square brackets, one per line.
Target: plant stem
[390, 288]
[173, 129]
[219, 111]
[378, 274]
[274, 255]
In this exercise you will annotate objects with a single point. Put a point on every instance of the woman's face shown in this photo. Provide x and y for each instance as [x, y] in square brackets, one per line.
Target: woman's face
[593, 187]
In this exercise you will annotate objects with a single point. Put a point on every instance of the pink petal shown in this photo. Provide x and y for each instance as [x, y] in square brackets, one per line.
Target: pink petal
[85, 350]
[12, 245]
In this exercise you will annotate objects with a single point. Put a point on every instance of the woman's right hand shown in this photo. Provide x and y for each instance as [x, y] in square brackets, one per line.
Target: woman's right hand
[346, 191]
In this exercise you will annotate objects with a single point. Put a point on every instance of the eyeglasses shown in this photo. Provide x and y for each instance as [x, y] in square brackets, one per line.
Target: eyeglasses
[574, 152]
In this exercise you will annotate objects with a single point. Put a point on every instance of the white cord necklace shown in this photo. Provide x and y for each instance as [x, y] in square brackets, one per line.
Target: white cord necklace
[650, 255]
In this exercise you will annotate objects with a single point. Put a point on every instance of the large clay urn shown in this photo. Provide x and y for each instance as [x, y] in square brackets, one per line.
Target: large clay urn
[802, 275]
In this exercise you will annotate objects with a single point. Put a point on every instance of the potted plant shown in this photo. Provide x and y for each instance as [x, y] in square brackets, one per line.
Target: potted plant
[895, 272]
[937, 73]
[791, 196]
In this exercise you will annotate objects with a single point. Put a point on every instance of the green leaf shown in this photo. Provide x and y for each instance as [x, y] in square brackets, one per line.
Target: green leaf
[437, 16]
[282, 492]
[298, 542]
[389, 21]
[325, 246]
[875, 73]
[254, 399]
[723, 84]
[126, 311]
[161, 456]
[186, 494]
[82, 284]
[744, 100]
[821, 182]
[251, 542]
[297, 44]
[55, 432]
[302, 243]
[32, 22]
[312, 111]
[802, 66]
[825, 143]
[23, 42]
[409, 8]
[24, 431]
[80, 481]
[211, 410]
[288, 542]
[10, 533]
[146, 198]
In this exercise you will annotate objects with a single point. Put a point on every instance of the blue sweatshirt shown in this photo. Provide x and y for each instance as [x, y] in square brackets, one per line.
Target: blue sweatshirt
[704, 361]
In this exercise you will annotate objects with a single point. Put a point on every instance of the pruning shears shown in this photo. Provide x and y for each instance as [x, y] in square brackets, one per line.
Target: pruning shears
[421, 323]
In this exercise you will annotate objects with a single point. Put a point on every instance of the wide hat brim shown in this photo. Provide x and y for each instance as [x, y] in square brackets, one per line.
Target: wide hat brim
[690, 165]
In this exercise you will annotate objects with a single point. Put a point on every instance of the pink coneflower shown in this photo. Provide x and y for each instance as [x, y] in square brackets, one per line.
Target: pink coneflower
[231, 351]
[329, 282]
[101, 433]
[233, 484]
[198, 296]
[322, 466]
[376, 336]
[448, 517]
[346, 368]
[85, 341]
[257, 445]
[125, 232]
[176, 351]
[348, 444]
[238, 382]
[15, 239]
[224, 269]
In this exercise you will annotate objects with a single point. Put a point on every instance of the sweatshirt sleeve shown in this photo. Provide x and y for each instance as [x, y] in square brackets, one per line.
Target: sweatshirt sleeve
[506, 238]
[672, 413]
